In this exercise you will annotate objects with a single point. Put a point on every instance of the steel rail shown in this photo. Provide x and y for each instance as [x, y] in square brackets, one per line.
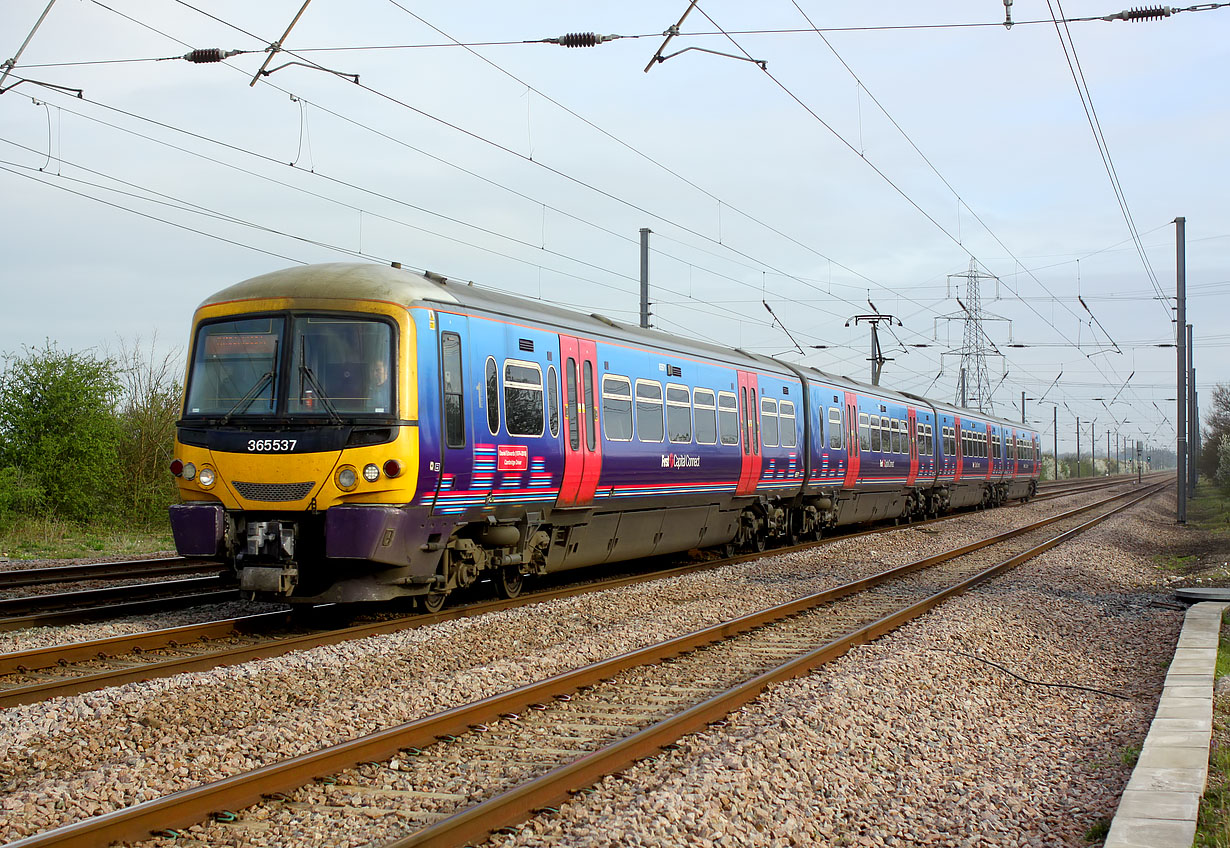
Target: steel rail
[119, 569]
[13, 607]
[73, 616]
[188, 806]
[117, 646]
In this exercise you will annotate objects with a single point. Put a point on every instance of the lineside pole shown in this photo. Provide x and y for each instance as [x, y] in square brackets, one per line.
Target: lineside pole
[645, 231]
[1181, 360]
[1193, 427]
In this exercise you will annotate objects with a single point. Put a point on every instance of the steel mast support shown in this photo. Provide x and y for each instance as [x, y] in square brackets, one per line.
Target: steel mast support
[1181, 359]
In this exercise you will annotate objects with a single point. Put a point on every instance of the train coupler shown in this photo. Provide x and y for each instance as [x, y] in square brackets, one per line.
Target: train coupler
[276, 580]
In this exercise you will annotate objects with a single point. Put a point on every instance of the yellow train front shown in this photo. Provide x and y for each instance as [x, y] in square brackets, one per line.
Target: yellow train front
[297, 450]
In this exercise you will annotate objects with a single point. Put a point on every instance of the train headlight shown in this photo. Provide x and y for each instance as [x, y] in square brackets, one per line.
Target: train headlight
[189, 471]
[347, 479]
[207, 477]
[391, 468]
[371, 472]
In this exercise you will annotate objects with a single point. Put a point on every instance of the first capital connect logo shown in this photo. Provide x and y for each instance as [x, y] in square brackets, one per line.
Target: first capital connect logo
[680, 460]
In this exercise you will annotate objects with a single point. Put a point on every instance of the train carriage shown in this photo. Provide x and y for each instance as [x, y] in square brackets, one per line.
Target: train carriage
[359, 433]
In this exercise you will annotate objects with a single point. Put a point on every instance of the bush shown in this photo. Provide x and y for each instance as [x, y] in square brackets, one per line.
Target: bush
[1222, 478]
[148, 409]
[19, 492]
[59, 435]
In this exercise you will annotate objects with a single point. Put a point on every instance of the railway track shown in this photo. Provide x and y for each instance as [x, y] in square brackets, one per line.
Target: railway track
[113, 601]
[119, 570]
[456, 776]
[42, 673]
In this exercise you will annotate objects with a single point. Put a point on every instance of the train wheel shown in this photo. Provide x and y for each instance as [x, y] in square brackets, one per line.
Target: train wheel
[509, 581]
[432, 601]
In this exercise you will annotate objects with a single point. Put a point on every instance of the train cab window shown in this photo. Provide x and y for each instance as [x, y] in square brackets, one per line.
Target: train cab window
[235, 367]
[553, 401]
[523, 398]
[835, 428]
[591, 407]
[454, 390]
[785, 413]
[678, 413]
[704, 406]
[864, 432]
[340, 366]
[768, 421]
[571, 404]
[493, 396]
[617, 408]
[728, 418]
[875, 432]
[649, 426]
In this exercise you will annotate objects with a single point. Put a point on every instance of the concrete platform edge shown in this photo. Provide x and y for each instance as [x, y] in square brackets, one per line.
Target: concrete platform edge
[1159, 805]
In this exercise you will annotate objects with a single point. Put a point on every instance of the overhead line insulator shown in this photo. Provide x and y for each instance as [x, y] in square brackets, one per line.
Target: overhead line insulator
[581, 39]
[1150, 14]
[208, 55]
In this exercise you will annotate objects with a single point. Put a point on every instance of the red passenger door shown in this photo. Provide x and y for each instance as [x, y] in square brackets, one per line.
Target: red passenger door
[912, 440]
[853, 448]
[582, 436]
[749, 433]
[956, 436]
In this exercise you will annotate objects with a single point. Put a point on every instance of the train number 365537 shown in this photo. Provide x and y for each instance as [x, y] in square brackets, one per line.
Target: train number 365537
[272, 444]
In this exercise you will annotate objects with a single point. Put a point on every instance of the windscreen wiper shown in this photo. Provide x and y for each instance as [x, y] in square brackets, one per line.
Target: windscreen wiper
[244, 402]
[305, 371]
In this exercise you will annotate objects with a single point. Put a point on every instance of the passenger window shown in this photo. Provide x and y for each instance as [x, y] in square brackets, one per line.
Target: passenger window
[523, 400]
[744, 426]
[875, 432]
[493, 397]
[678, 414]
[894, 436]
[864, 432]
[617, 407]
[553, 401]
[728, 418]
[705, 415]
[785, 412]
[649, 426]
[571, 405]
[591, 408]
[768, 421]
[754, 422]
[454, 391]
[835, 428]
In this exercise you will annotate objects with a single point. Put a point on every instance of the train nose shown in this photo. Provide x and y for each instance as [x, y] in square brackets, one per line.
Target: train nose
[275, 480]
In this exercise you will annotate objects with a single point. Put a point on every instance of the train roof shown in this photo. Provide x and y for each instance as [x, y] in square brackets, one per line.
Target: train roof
[365, 281]
[394, 284]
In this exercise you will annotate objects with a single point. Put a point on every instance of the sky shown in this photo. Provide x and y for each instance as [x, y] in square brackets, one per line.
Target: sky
[799, 164]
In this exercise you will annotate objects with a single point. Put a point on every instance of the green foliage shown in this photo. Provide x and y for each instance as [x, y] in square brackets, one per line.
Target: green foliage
[87, 438]
[147, 412]
[19, 492]
[58, 427]
[1222, 477]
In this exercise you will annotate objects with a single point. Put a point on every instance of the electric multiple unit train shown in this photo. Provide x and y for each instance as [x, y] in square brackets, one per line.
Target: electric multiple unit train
[355, 432]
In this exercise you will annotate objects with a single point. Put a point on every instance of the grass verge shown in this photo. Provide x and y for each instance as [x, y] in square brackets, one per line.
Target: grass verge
[33, 537]
[1210, 510]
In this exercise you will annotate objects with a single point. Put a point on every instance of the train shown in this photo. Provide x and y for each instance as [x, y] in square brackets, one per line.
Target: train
[357, 433]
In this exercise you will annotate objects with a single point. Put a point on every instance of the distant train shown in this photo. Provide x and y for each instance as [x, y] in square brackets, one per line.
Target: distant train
[355, 432]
